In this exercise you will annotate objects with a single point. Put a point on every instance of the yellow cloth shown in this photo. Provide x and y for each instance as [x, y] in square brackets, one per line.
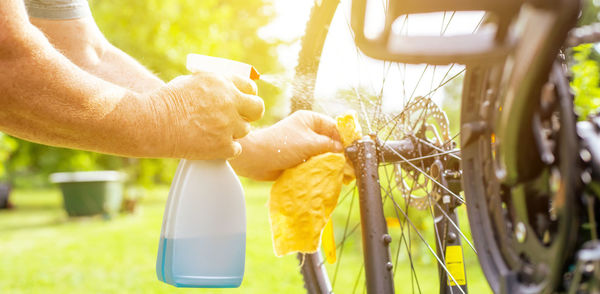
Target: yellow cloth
[303, 197]
[348, 128]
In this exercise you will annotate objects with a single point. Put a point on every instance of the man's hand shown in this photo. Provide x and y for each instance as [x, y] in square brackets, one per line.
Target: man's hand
[266, 153]
[203, 114]
[47, 99]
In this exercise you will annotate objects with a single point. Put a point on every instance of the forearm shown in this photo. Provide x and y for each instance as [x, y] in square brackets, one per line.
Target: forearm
[117, 67]
[81, 41]
[47, 99]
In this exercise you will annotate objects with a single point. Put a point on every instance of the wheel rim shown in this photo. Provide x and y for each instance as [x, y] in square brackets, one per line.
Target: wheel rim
[413, 252]
[531, 220]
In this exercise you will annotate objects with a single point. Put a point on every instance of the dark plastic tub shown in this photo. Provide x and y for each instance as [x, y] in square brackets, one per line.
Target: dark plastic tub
[91, 193]
[4, 196]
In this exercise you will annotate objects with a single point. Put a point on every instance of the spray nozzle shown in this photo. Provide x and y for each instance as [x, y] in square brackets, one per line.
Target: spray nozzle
[197, 62]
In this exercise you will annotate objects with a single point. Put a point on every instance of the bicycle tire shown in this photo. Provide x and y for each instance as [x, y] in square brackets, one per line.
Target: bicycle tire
[312, 43]
[315, 276]
[514, 261]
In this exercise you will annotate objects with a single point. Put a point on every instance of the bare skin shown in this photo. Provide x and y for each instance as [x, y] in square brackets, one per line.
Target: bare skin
[287, 143]
[81, 41]
[89, 95]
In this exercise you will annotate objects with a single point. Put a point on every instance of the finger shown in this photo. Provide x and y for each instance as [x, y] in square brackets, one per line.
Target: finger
[250, 107]
[245, 85]
[180, 79]
[323, 144]
[324, 125]
[241, 130]
[233, 150]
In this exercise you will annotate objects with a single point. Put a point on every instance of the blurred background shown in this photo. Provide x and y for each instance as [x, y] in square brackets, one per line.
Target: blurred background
[42, 250]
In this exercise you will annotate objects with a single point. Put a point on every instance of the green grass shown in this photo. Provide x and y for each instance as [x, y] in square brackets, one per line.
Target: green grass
[42, 251]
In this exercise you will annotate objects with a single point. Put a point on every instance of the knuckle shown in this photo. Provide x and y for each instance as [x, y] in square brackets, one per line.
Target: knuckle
[245, 85]
[260, 105]
[224, 142]
[255, 108]
[241, 130]
[211, 78]
[301, 114]
[252, 87]
[234, 149]
[246, 128]
[221, 80]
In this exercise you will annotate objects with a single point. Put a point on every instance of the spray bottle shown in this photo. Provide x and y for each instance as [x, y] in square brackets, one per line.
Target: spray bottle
[203, 237]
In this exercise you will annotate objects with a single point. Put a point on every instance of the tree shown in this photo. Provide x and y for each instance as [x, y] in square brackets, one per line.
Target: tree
[590, 12]
[160, 34]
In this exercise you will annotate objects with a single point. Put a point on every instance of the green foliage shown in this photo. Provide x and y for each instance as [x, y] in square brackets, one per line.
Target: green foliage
[585, 84]
[7, 146]
[452, 104]
[159, 34]
[590, 12]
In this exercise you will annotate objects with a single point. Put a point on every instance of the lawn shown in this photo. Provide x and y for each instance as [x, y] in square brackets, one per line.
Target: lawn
[42, 251]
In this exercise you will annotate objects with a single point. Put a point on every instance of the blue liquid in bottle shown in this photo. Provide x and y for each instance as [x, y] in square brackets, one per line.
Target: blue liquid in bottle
[219, 265]
[203, 238]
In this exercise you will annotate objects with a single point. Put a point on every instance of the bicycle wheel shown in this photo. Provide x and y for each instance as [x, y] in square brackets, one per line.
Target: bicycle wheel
[520, 158]
[393, 101]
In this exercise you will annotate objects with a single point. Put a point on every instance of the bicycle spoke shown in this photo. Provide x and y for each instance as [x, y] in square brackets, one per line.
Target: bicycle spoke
[374, 87]
[431, 178]
[407, 244]
[456, 227]
[362, 267]
[437, 148]
[442, 264]
[339, 261]
[438, 238]
[421, 158]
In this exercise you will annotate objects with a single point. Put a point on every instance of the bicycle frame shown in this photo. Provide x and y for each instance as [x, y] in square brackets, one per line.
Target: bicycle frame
[366, 155]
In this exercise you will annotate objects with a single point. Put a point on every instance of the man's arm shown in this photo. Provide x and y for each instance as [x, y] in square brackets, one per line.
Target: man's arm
[81, 41]
[48, 99]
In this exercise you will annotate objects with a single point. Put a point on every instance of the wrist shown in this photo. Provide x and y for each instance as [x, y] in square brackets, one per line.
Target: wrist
[240, 163]
[251, 162]
[154, 133]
